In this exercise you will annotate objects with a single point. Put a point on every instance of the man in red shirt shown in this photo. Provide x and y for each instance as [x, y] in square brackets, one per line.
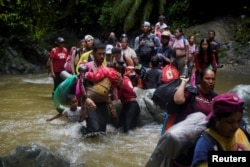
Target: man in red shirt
[58, 56]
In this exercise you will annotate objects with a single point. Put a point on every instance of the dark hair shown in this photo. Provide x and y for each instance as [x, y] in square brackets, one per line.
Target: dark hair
[126, 38]
[116, 50]
[180, 30]
[201, 52]
[82, 40]
[212, 31]
[219, 115]
[155, 61]
[98, 45]
[161, 17]
[203, 72]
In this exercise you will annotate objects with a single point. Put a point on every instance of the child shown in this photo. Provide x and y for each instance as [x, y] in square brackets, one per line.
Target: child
[74, 113]
[130, 107]
[152, 77]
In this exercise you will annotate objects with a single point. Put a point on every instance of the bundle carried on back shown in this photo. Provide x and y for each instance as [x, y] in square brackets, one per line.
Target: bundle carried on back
[180, 138]
[62, 92]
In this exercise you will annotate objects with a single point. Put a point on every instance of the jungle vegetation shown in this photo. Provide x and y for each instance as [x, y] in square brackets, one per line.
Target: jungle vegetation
[33, 19]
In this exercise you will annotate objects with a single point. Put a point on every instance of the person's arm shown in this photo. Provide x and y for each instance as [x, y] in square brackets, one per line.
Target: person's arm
[136, 45]
[165, 58]
[54, 117]
[214, 63]
[73, 62]
[51, 68]
[159, 79]
[157, 42]
[179, 96]
[187, 52]
[128, 60]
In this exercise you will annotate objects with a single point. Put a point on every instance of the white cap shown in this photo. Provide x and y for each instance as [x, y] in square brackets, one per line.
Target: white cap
[109, 49]
[88, 37]
[146, 23]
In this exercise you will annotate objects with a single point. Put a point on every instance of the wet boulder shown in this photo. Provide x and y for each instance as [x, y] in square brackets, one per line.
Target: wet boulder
[243, 91]
[32, 156]
[150, 113]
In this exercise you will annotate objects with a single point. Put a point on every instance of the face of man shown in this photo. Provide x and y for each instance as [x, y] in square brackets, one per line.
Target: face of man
[89, 43]
[124, 43]
[145, 28]
[165, 39]
[99, 56]
[211, 35]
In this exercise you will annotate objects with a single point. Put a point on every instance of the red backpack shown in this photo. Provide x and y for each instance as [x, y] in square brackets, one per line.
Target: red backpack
[169, 73]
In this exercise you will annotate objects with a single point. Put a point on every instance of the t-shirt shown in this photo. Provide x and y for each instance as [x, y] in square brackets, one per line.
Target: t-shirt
[87, 57]
[126, 92]
[203, 103]
[129, 51]
[59, 56]
[203, 145]
[73, 116]
[152, 78]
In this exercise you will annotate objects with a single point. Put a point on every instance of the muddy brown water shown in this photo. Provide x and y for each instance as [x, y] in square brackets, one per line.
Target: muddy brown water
[26, 103]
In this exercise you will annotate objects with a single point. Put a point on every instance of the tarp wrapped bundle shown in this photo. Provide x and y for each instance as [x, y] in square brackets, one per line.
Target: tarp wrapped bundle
[62, 92]
[178, 138]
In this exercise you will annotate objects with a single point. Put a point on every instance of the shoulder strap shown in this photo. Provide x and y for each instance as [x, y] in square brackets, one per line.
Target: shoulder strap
[77, 52]
[184, 41]
[215, 143]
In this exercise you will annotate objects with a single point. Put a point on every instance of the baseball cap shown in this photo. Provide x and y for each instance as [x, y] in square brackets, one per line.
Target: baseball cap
[88, 37]
[109, 49]
[226, 103]
[146, 23]
[59, 40]
[165, 33]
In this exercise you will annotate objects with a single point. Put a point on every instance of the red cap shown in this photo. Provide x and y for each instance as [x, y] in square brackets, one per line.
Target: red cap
[226, 103]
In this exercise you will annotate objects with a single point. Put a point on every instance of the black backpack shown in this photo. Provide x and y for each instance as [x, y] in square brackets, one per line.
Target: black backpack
[186, 155]
[164, 96]
[146, 51]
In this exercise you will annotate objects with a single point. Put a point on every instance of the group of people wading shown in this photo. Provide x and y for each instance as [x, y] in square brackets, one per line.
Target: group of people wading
[108, 70]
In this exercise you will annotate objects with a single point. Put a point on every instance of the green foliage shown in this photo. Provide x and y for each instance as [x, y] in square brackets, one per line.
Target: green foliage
[36, 18]
[242, 31]
[134, 12]
[177, 14]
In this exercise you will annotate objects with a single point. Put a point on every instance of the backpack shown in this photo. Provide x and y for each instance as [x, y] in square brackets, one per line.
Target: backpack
[146, 51]
[177, 139]
[186, 154]
[163, 96]
[67, 65]
[169, 73]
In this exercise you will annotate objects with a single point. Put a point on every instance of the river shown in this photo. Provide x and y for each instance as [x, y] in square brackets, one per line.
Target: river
[26, 103]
